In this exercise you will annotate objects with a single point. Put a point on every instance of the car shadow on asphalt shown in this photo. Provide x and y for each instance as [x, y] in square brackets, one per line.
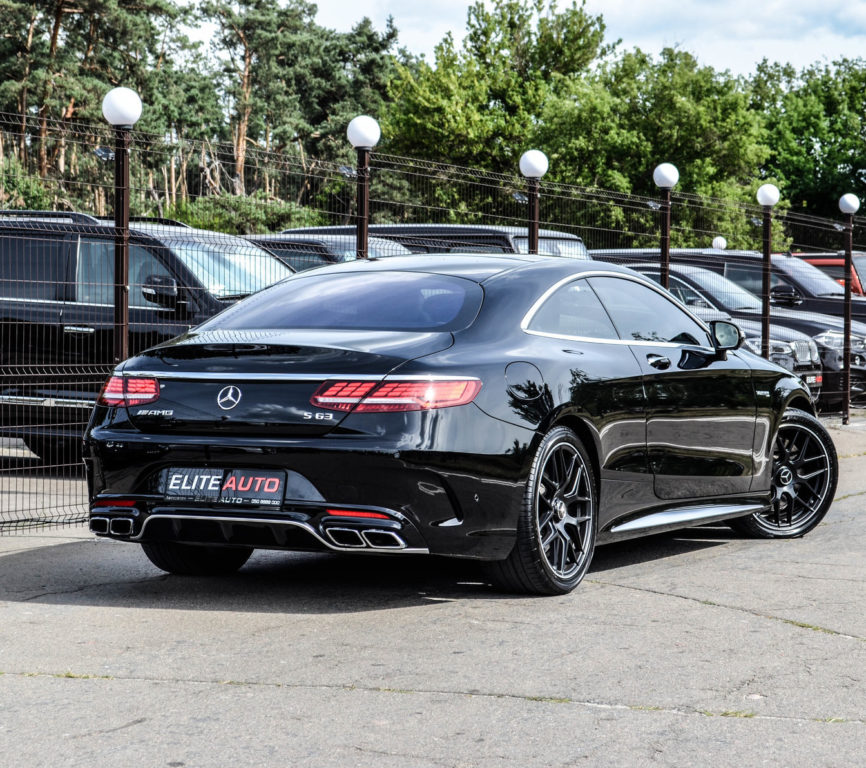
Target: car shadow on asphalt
[105, 573]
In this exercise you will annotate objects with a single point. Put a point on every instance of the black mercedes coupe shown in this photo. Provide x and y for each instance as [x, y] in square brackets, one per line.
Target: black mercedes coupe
[514, 409]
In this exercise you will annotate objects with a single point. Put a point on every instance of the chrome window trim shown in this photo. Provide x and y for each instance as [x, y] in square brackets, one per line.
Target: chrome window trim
[49, 402]
[33, 301]
[620, 342]
[149, 305]
[533, 310]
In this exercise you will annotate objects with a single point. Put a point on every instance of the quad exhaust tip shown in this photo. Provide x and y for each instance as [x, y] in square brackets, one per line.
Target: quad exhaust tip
[116, 526]
[370, 538]
[120, 526]
[99, 525]
[383, 539]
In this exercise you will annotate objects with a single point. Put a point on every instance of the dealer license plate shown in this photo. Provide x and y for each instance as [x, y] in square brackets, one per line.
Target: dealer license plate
[241, 487]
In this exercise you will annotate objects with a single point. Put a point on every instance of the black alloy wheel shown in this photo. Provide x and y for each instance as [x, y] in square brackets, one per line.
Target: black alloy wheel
[195, 560]
[805, 473]
[557, 525]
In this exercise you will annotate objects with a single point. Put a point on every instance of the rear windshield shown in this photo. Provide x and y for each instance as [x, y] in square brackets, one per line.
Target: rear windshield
[555, 246]
[391, 301]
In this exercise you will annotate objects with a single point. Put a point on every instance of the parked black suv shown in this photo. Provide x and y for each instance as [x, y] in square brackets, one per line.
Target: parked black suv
[794, 282]
[824, 331]
[712, 297]
[57, 308]
[303, 251]
[463, 238]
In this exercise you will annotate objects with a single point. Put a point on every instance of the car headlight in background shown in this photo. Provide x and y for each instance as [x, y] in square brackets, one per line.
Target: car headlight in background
[835, 340]
[776, 347]
[832, 339]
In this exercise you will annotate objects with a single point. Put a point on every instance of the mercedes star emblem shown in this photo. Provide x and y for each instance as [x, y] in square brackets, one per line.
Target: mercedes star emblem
[228, 398]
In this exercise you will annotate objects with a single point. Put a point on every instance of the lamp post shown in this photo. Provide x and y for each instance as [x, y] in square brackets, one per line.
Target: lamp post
[665, 177]
[848, 204]
[363, 133]
[719, 243]
[121, 107]
[768, 196]
[533, 165]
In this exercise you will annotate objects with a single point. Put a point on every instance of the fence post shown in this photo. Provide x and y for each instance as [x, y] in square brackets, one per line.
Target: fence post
[121, 107]
[363, 133]
[768, 196]
[848, 204]
[665, 177]
[533, 165]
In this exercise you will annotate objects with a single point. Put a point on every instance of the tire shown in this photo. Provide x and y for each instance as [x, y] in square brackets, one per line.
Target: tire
[194, 560]
[805, 473]
[557, 525]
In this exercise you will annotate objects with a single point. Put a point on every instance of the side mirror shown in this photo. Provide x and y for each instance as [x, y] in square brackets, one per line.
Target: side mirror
[161, 290]
[698, 302]
[785, 296]
[726, 335]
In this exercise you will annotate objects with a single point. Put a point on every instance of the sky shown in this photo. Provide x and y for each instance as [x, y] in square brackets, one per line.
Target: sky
[729, 35]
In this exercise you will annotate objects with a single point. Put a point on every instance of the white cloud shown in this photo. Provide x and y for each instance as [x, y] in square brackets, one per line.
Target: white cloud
[736, 34]
[725, 34]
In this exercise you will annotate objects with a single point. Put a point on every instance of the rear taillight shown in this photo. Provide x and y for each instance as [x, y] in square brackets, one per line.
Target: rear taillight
[394, 395]
[357, 513]
[124, 391]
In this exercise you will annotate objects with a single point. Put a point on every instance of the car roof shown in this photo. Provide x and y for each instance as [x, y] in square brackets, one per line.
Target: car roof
[637, 252]
[321, 239]
[475, 266]
[63, 221]
[682, 269]
[439, 229]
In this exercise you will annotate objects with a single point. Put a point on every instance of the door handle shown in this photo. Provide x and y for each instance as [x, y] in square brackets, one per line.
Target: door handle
[78, 329]
[657, 361]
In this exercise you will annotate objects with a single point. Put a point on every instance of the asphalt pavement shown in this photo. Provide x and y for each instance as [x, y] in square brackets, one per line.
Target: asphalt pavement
[686, 649]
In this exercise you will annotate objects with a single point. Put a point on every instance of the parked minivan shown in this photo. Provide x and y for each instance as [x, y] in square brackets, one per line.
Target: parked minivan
[57, 308]
[462, 238]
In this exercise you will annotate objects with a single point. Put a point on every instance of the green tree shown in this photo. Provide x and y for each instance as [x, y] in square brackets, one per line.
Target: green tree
[815, 122]
[478, 105]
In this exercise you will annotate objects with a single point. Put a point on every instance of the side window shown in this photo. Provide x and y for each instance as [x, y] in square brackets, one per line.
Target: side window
[32, 266]
[142, 264]
[642, 314]
[94, 275]
[573, 310]
[298, 258]
[686, 294]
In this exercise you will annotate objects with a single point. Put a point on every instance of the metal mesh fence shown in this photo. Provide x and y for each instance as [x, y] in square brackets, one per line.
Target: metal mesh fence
[205, 232]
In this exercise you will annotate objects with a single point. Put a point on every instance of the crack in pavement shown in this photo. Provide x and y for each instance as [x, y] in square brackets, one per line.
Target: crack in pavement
[614, 706]
[738, 608]
[84, 587]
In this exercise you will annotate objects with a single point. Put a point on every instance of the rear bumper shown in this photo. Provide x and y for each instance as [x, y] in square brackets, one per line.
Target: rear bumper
[451, 503]
[311, 530]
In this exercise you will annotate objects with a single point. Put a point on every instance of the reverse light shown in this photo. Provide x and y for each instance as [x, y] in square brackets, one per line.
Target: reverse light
[395, 395]
[124, 391]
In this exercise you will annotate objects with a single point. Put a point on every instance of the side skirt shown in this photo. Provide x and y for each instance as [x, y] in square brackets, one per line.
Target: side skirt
[676, 518]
